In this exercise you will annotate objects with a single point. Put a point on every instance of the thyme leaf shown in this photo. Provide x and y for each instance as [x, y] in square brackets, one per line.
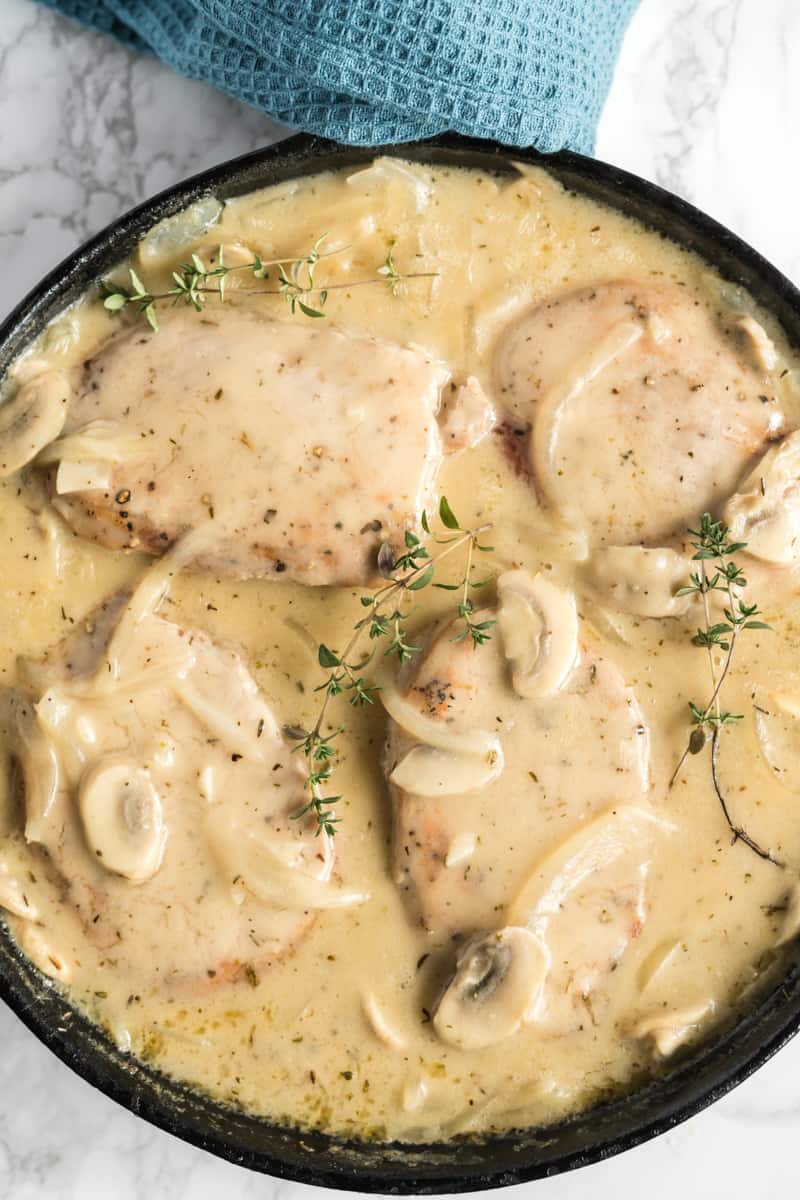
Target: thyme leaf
[712, 545]
[295, 278]
[384, 620]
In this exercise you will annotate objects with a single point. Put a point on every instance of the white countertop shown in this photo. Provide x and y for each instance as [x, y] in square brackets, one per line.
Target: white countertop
[706, 102]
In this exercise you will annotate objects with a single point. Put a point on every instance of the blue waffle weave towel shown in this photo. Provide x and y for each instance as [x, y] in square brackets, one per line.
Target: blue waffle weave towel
[526, 72]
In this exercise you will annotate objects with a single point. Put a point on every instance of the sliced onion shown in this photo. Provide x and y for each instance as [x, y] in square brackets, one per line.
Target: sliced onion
[596, 845]
[38, 947]
[56, 715]
[379, 1025]
[42, 776]
[149, 595]
[493, 314]
[778, 733]
[460, 849]
[552, 407]
[476, 743]
[765, 512]
[656, 961]
[219, 721]
[98, 441]
[258, 862]
[669, 1030]
[13, 891]
[32, 418]
[170, 237]
[386, 170]
[82, 477]
[427, 771]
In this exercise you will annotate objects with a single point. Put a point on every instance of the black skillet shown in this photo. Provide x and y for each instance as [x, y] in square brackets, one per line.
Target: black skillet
[698, 1078]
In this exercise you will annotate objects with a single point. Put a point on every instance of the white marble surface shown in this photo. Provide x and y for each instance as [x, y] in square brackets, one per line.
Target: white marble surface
[706, 102]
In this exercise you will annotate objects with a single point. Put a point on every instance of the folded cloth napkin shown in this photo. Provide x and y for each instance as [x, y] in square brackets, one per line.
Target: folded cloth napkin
[526, 72]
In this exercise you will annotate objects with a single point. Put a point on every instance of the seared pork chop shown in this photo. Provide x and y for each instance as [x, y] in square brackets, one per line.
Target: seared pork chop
[507, 778]
[161, 788]
[642, 410]
[306, 446]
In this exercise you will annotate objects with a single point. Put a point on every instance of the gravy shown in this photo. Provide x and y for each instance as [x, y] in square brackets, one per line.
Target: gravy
[334, 1024]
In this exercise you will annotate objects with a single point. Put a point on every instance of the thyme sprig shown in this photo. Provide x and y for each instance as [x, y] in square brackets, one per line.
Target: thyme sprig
[194, 281]
[719, 572]
[384, 622]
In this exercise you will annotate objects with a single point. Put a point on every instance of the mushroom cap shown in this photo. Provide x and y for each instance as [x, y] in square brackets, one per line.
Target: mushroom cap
[494, 989]
[122, 818]
[538, 622]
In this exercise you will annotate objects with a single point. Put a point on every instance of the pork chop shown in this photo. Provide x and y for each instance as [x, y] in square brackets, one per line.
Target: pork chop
[158, 782]
[467, 861]
[306, 447]
[642, 410]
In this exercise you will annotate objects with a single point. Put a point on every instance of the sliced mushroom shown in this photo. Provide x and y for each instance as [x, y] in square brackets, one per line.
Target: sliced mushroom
[666, 1031]
[426, 771]
[122, 818]
[466, 416]
[639, 580]
[32, 419]
[538, 622]
[494, 989]
[765, 512]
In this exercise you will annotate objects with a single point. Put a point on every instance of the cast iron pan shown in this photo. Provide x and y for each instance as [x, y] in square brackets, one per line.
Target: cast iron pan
[765, 1023]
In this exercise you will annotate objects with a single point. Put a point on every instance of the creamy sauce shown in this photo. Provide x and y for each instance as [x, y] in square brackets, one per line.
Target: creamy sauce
[629, 390]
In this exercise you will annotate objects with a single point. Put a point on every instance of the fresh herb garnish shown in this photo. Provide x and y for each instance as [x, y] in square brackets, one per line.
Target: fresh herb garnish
[195, 281]
[384, 622]
[389, 271]
[719, 572]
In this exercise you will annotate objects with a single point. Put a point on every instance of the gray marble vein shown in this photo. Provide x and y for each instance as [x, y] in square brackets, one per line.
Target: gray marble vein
[706, 103]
